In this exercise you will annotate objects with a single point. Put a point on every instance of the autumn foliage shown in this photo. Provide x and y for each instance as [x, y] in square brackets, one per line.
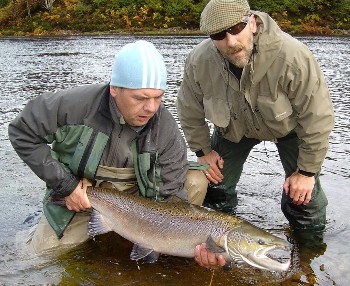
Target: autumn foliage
[50, 17]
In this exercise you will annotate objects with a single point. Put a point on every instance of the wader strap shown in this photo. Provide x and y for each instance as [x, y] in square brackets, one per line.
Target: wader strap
[147, 173]
[197, 166]
[88, 153]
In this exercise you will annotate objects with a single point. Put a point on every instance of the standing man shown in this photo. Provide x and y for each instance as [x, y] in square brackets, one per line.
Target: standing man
[256, 83]
[116, 135]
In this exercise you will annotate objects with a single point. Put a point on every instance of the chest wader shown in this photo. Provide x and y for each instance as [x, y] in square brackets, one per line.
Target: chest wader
[119, 179]
[311, 216]
[147, 170]
[83, 164]
[196, 183]
[302, 217]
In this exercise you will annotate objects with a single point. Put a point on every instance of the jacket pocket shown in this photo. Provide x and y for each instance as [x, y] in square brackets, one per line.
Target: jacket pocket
[274, 109]
[217, 111]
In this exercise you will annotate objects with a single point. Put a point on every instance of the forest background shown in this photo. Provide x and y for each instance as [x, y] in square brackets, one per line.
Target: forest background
[65, 17]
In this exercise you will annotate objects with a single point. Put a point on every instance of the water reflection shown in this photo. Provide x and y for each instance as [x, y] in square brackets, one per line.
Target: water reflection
[30, 66]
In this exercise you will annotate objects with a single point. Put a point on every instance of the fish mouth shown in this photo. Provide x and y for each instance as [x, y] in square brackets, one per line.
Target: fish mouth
[272, 258]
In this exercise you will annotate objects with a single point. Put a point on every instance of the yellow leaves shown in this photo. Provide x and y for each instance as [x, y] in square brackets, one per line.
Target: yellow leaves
[143, 10]
[168, 20]
[146, 17]
[111, 12]
[141, 17]
[53, 17]
[70, 4]
[127, 21]
[39, 31]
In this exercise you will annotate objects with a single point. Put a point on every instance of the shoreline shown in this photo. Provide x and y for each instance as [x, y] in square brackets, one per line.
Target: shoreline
[163, 32]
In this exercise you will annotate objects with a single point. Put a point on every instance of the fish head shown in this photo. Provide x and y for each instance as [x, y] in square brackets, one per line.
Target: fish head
[258, 248]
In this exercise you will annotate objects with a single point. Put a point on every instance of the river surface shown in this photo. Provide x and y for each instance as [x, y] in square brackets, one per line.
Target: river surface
[30, 66]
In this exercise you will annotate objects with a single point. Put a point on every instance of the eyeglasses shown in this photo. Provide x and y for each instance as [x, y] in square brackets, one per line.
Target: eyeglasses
[234, 30]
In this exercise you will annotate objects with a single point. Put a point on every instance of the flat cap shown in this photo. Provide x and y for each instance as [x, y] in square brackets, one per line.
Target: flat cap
[219, 15]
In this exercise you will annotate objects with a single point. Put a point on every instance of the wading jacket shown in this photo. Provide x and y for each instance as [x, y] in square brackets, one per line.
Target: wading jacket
[62, 137]
[281, 90]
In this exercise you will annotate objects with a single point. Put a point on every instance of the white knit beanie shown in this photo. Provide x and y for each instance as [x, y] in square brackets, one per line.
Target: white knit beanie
[139, 65]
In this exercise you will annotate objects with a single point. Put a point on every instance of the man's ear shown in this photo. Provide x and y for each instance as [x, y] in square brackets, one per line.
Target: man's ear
[252, 22]
[113, 90]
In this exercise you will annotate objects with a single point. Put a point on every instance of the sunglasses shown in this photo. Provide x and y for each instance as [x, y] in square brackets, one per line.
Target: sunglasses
[234, 30]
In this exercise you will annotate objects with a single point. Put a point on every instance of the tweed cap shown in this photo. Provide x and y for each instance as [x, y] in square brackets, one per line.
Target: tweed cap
[220, 15]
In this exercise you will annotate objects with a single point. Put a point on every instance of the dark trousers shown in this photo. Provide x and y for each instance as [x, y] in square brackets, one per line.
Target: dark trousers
[310, 216]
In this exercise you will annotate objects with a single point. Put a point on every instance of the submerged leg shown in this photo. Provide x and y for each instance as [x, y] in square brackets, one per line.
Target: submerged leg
[302, 217]
[45, 239]
[224, 195]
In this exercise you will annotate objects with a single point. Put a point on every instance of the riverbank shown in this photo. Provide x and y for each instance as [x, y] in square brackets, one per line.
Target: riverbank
[159, 32]
[141, 17]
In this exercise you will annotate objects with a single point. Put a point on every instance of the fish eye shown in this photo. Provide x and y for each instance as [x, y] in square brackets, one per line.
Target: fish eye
[261, 241]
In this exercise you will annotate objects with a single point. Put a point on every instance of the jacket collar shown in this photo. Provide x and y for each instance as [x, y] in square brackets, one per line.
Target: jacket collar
[268, 42]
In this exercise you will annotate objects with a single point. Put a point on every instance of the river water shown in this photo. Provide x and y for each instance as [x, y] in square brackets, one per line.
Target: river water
[30, 66]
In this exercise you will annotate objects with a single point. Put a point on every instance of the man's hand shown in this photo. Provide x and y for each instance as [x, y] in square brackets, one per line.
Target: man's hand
[299, 188]
[207, 259]
[78, 200]
[216, 163]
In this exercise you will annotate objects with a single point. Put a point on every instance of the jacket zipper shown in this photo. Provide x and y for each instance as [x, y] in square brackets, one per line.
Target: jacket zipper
[87, 152]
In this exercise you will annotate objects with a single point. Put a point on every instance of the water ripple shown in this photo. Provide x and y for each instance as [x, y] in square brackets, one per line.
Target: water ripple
[31, 66]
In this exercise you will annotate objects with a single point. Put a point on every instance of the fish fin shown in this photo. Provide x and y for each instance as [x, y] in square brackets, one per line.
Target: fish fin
[152, 257]
[213, 246]
[97, 224]
[140, 252]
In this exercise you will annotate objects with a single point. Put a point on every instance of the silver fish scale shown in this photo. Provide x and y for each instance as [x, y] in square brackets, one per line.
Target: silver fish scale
[177, 228]
[169, 219]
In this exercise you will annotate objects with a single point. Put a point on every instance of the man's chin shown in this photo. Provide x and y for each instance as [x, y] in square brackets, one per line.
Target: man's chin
[240, 63]
[139, 123]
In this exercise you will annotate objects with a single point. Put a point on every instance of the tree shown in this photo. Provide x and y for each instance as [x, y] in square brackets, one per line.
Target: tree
[48, 4]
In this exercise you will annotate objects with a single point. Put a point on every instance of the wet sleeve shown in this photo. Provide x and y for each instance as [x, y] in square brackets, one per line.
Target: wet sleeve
[29, 133]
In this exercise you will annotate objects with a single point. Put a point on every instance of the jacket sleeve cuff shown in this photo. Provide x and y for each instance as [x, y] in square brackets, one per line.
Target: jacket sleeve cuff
[202, 152]
[305, 173]
[199, 153]
[66, 187]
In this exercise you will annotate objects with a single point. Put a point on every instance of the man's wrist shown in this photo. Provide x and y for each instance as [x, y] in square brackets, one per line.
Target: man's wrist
[305, 173]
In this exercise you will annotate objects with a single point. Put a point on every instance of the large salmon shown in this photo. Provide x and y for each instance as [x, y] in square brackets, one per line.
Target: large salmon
[176, 228]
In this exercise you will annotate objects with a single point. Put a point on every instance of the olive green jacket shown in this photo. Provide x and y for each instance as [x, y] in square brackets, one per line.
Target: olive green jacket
[282, 89]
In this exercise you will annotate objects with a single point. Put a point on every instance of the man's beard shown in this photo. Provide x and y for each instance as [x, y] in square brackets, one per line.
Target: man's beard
[242, 60]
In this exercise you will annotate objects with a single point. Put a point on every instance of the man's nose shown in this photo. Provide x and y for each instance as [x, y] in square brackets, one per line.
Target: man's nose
[151, 105]
[231, 40]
